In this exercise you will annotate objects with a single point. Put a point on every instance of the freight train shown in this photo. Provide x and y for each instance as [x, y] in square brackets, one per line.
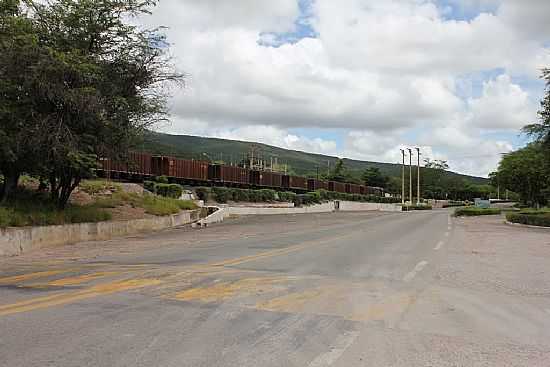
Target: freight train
[144, 166]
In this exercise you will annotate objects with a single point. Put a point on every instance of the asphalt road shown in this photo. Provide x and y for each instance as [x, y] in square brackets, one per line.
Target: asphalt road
[347, 289]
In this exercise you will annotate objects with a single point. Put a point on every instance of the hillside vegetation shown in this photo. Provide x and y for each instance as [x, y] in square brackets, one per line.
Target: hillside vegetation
[300, 163]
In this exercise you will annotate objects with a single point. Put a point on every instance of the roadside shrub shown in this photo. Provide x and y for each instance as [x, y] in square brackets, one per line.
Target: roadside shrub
[162, 179]
[473, 211]
[452, 204]
[407, 208]
[287, 196]
[240, 195]
[149, 186]
[203, 193]
[221, 194]
[168, 190]
[268, 195]
[532, 218]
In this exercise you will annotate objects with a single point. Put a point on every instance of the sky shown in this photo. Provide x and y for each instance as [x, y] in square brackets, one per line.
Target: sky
[360, 78]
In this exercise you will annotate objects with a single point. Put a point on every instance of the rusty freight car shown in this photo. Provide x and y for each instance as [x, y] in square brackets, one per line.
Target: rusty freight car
[314, 184]
[337, 186]
[294, 182]
[138, 164]
[228, 174]
[353, 188]
[181, 169]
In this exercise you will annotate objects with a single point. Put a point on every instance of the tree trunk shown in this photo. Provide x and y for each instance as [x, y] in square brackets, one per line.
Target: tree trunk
[11, 179]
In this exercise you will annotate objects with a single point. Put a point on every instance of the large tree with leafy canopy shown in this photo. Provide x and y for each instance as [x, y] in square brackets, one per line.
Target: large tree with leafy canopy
[541, 130]
[373, 177]
[101, 83]
[523, 172]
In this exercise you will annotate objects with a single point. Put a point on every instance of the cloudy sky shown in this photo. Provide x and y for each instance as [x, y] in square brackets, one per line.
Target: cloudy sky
[361, 78]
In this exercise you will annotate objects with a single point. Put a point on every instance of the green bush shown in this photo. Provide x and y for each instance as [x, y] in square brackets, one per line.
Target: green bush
[162, 179]
[203, 193]
[473, 211]
[241, 195]
[453, 204]
[287, 196]
[164, 189]
[221, 194]
[149, 186]
[407, 208]
[533, 218]
[268, 195]
[168, 190]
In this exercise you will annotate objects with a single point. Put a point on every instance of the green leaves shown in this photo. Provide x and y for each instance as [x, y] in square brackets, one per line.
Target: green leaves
[78, 80]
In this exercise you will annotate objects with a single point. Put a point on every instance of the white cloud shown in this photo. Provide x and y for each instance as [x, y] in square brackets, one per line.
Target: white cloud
[502, 105]
[377, 68]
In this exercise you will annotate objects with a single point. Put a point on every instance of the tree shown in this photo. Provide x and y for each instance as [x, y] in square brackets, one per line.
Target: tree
[96, 88]
[21, 133]
[373, 177]
[339, 172]
[541, 130]
[523, 172]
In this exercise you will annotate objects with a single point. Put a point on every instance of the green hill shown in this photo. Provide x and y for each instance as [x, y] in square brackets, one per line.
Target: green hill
[300, 163]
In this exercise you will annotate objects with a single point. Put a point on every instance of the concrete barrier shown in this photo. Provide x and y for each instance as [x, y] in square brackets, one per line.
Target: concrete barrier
[354, 206]
[15, 241]
[319, 208]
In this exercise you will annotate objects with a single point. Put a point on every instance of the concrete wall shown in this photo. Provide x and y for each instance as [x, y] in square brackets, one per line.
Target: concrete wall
[15, 241]
[320, 208]
[354, 206]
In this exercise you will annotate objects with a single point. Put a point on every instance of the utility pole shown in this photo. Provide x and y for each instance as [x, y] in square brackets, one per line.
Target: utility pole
[410, 175]
[418, 178]
[403, 178]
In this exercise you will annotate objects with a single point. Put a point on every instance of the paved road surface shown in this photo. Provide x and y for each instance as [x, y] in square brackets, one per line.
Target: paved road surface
[348, 289]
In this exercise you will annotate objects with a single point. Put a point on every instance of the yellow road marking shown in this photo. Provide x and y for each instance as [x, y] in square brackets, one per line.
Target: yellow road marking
[222, 291]
[61, 299]
[277, 252]
[292, 302]
[24, 277]
[81, 279]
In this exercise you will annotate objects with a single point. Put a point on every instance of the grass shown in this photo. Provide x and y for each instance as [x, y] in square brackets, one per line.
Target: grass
[153, 204]
[33, 209]
[473, 211]
[532, 217]
[94, 187]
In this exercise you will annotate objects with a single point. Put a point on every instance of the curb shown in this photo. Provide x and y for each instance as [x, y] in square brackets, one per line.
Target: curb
[525, 225]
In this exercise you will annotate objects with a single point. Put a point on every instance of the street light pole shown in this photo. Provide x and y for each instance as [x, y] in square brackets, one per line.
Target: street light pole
[403, 178]
[410, 175]
[418, 178]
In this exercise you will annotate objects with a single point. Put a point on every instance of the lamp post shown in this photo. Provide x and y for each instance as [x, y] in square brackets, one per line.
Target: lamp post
[410, 175]
[418, 178]
[403, 178]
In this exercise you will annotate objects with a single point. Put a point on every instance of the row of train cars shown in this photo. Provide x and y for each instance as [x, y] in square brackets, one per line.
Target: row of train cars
[143, 166]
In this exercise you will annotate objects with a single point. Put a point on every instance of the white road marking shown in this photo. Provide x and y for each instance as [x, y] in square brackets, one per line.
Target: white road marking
[446, 234]
[449, 227]
[439, 245]
[342, 343]
[418, 268]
